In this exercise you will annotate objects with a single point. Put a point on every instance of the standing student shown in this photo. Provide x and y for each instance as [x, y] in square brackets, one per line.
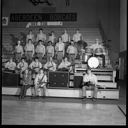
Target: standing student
[41, 35]
[60, 50]
[29, 50]
[31, 36]
[72, 52]
[40, 50]
[65, 39]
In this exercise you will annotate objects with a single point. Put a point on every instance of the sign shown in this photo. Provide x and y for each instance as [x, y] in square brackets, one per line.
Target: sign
[5, 21]
[36, 17]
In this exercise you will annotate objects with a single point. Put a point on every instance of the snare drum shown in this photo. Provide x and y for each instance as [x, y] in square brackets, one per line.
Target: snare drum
[98, 51]
[88, 51]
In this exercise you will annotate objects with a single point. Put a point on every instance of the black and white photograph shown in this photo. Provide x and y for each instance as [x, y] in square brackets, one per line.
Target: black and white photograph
[64, 62]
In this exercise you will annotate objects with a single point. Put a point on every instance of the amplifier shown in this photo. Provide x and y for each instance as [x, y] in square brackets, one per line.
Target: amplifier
[10, 79]
[58, 79]
[78, 81]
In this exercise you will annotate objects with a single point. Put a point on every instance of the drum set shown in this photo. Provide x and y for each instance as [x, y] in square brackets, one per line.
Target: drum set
[89, 58]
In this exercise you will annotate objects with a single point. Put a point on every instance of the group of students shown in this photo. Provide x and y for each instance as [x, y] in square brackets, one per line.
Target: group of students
[52, 47]
[35, 75]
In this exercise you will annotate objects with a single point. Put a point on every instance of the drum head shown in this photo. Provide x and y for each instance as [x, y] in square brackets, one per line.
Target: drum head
[93, 62]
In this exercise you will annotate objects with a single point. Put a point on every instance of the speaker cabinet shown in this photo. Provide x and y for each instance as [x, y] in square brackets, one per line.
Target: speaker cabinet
[58, 79]
[10, 79]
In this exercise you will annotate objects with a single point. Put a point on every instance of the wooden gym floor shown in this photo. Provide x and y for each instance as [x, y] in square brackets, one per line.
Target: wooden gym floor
[63, 111]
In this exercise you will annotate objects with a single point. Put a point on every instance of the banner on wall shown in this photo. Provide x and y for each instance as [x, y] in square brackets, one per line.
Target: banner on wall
[36, 24]
[4, 21]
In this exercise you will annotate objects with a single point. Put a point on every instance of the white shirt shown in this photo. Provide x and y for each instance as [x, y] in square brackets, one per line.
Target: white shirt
[29, 47]
[77, 37]
[41, 36]
[19, 49]
[65, 37]
[92, 78]
[60, 46]
[50, 49]
[50, 65]
[95, 46]
[40, 49]
[22, 65]
[39, 77]
[35, 65]
[64, 64]
[72, 50]
[52, 38]
[30, 36]
[10, 65]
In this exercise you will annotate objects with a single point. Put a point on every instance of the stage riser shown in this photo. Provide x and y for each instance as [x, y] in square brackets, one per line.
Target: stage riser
[105, 78]
[71, 93]
[107, 84]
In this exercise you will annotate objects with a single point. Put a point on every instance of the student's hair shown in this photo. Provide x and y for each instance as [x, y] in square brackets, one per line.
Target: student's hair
[40, 29]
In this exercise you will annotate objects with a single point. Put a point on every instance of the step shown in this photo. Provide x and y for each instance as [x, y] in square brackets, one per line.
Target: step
[69, 93]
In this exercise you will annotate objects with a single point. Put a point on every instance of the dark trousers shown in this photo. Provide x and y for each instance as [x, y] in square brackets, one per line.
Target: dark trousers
[23, 90]
[102, 56]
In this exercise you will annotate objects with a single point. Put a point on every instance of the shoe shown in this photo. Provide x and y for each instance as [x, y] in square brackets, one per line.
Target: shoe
[93, 99]
[43, 96]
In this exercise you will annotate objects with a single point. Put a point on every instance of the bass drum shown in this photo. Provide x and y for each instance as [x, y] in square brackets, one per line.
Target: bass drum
[93, 62]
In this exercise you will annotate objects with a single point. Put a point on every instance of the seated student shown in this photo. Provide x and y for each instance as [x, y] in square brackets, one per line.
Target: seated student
[26, 82]
[65, 65]
[50, 65]
[35, 66]
[22, 65]
[10, 65]
[89, 81]
[99, 50]
[40, 81]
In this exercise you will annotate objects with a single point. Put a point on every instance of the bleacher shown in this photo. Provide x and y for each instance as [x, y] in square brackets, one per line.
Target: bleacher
[107, 86]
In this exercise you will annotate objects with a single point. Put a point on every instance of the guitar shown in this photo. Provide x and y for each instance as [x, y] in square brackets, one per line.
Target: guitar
[40, 82]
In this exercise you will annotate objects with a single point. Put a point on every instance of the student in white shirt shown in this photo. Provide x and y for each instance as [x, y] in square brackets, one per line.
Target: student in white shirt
[65, 39]
[29, 50]
[89, 80]
[52, 37]
[35, 66]
[65, 64]
[41, 35]
[31, 36]
[40, 50]
[18, 51]
[72, 52]
[99, 50]
[50, 65]
[77, 36]
[60, 50]
[40, 83]
[49, 50]
[10, 65]
[22, 65]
